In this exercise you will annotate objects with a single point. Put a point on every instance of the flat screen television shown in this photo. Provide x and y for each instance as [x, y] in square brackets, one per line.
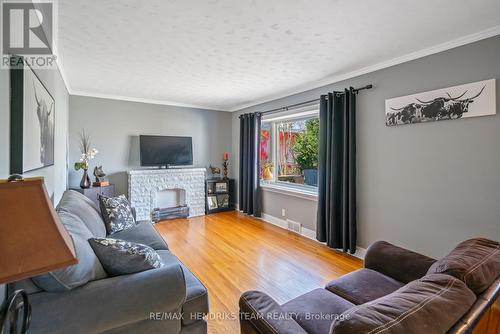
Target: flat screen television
[166, 151]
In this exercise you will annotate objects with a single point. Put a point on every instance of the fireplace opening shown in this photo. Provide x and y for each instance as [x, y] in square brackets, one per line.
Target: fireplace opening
[170, 204]
[170, 197]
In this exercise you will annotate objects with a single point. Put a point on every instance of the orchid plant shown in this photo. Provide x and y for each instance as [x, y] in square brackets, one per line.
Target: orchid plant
[88, 153]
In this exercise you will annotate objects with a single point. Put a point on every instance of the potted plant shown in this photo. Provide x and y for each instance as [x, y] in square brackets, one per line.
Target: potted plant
[87, 155]
[306, 150]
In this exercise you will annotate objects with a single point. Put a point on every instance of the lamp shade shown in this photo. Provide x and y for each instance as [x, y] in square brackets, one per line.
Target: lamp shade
[32, 239]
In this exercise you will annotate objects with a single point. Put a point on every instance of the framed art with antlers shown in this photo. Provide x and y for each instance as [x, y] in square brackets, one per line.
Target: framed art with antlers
[463, 101]
[32, 122]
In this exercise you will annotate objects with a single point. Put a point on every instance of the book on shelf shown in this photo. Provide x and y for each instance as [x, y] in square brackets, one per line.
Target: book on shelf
[101, 184]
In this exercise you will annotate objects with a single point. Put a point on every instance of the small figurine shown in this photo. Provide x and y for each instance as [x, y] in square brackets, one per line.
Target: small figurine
[225, 163]
[214, 170]
[99, 175]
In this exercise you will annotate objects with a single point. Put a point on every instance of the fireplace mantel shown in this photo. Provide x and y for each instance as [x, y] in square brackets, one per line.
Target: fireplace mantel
[144, 184]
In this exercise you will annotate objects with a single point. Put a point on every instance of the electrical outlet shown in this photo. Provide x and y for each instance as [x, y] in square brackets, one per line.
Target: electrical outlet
[283, 212]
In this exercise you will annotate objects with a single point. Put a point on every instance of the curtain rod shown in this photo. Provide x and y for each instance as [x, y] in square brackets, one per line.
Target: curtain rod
[355, 90]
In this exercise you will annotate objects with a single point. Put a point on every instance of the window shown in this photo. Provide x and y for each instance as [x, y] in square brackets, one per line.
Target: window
[289, 150]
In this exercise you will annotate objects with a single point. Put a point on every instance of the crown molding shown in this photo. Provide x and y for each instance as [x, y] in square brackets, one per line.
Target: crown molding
[123, 98]
[63, 74]
[141, 100]
[491, 32]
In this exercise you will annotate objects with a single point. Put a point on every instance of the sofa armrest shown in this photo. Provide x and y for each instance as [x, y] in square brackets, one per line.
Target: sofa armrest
[109, 303]
[261, 314]
[484, 304]
[399, 263]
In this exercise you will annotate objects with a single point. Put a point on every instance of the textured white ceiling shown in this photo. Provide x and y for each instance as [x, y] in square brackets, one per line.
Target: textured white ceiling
[225, 54]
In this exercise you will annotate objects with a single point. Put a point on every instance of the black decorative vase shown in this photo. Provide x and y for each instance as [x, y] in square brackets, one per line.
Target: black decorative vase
[85, 182]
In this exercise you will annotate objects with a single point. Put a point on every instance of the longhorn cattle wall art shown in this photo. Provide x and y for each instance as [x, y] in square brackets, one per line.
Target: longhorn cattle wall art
[32, 122]
[469, 100]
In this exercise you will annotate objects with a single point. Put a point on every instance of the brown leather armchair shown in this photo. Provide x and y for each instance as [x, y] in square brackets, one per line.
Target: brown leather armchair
[398, 290]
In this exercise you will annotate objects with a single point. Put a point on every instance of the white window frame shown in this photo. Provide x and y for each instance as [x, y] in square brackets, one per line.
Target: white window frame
[288, 188]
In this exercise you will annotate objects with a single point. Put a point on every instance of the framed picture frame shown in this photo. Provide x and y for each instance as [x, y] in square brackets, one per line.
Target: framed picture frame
[32, 121]
[212, 202]
[210, 188]
[223, 201]
[463, 101]
[220, 187]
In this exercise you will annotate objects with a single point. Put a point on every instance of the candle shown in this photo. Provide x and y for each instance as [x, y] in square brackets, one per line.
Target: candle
[226, 156]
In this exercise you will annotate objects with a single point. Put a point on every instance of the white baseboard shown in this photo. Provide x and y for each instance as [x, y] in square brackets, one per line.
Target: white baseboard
[360, 252]
[273, 220]
[311, 234]
[305, 232]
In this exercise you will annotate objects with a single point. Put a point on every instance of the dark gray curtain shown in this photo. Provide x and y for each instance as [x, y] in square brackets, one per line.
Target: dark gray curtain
[336, 223]
[249, 196]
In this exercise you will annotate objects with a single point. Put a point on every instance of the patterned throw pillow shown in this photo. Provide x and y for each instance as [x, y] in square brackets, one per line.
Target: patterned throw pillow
[117, 213]
[120, 257]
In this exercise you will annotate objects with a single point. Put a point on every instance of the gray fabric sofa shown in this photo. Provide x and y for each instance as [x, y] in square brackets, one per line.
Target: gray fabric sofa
[398, 291]
[165, 300]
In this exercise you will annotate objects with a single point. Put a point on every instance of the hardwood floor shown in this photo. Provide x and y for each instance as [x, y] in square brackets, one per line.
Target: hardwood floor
[231, 253]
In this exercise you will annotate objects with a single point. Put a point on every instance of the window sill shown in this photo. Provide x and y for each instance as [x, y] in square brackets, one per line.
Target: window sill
[290, 191]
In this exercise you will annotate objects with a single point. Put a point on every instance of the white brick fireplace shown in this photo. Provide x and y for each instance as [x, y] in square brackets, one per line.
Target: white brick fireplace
[146, 188]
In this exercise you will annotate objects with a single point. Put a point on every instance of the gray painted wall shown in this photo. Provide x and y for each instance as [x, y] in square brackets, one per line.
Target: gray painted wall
[423, 186]
[296, 209]
[56, 175]
[115, 127]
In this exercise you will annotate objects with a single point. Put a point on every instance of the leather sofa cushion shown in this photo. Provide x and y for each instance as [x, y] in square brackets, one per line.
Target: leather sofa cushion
[475, 262]
[429, 305]
[82, 207]
[196, 304]
[88, 267]
[316, 310]
[142, 233]
[399, 263]
[259, 314]
[363, 285]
